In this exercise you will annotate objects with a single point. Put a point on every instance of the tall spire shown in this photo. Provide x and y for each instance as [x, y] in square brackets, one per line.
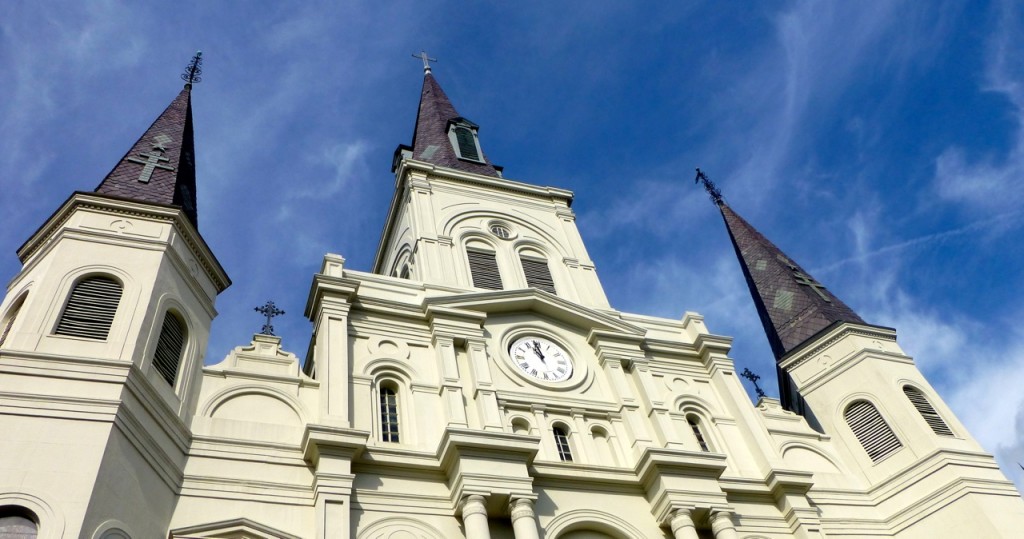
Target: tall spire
[160, 167]
[792, 305]
[431, 139]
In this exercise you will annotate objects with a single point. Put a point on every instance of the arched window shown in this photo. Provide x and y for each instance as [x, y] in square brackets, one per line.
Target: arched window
[18, 523]
[404, 274]
[169, 347]
[483, 267]
[8, 321]
[90, 309]
[562, 443]
[874, 434]
[929, 414]
[694, 423]
[388, 412]
[537, 273]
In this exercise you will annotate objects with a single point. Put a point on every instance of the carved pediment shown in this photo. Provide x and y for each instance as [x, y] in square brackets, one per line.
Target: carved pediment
[239, 528]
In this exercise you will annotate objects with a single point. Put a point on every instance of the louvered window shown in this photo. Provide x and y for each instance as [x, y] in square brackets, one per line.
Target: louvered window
[467, 143]
[388, 414]
[698, 434]
[483, 266]
[8, 323]
[874, 434]
[562, 444]
[169, 347]
[537, 274]
[90, 309]
[927, 412]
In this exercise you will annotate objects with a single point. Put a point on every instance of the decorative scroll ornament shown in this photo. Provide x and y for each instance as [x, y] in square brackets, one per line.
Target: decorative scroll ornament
[194, 70]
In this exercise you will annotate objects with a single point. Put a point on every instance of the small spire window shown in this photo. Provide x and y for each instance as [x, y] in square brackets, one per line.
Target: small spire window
[562, 443]
[90, 309]
[467, 144]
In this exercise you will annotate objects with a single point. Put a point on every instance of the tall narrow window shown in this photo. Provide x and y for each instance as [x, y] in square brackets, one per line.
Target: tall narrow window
[467, 143]
[874, 434]
[537, 274]
[17, 523]
[169, 346]
[929, 414]
[562, 444]
[90, 309]
[388, 414]
[483, 266]
[697, 433]
[8, 321]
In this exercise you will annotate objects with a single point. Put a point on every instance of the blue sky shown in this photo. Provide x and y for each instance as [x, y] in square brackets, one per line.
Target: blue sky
[879, 144]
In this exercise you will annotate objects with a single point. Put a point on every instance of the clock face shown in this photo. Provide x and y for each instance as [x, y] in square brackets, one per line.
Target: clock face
[541, 359]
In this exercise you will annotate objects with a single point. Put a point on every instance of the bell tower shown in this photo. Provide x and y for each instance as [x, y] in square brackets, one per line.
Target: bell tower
[104, 331]
[456, 221]
[852, 382]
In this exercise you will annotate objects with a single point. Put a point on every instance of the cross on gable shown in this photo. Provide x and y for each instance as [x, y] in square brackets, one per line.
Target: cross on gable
[269, 310]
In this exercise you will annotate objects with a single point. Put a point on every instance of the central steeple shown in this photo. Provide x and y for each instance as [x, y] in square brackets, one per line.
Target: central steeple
[444, 138]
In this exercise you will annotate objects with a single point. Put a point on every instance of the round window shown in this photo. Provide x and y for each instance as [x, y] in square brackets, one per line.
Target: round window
[501, 231]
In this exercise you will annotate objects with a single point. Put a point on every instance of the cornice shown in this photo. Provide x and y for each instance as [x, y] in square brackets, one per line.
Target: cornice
[119, 206]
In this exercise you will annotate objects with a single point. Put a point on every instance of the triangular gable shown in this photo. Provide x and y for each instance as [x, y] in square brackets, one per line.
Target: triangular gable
[509, 301]
[239, 528]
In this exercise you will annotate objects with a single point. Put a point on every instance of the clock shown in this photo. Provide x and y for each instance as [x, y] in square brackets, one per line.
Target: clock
[541, 359]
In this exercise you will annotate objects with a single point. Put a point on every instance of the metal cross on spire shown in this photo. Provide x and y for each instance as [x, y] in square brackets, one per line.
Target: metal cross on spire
[709, 186]
[749, 375]
[270, 311]
[193, 70]
[426, 60]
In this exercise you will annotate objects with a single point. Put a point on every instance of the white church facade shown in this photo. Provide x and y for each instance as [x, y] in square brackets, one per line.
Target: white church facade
[475, 384]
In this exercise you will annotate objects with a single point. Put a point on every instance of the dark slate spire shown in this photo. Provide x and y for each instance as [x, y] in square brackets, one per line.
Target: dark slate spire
[160, 167]
[792, 305]
[430, 140]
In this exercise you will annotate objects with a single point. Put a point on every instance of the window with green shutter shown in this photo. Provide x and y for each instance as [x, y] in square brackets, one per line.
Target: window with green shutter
[167, 357]
[483, 268]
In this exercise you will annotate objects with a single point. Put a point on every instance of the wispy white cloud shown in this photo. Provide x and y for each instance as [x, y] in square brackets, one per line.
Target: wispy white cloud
[993, 182]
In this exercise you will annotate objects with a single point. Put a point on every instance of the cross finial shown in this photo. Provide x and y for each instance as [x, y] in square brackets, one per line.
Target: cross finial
[426, 61]
[193, 70]
[749, 375]
[270, 311]
[709, 186]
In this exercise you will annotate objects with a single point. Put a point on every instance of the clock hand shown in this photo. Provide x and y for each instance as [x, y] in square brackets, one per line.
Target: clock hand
[536, 349]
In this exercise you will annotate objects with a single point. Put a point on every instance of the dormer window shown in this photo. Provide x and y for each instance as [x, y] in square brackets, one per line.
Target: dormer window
[463, 135]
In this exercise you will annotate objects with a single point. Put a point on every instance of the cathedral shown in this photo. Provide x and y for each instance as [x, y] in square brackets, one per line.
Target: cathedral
[475, 383]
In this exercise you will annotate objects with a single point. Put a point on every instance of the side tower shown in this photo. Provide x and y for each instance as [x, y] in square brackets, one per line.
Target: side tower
[103, 335]
[923, 475]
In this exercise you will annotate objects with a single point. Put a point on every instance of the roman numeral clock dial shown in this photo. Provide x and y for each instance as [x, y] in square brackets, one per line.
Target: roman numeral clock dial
[541, 359]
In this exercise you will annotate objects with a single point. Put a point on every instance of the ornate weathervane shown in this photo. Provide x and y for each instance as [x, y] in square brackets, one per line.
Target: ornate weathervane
[709, 186]
[270, 311]
[194, 70]
[426, 60]
[749, 375]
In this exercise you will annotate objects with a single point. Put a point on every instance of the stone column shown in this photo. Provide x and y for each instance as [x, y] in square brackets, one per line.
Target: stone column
[524, 521]
[722, 526]
[682, 525]
[474, 517]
